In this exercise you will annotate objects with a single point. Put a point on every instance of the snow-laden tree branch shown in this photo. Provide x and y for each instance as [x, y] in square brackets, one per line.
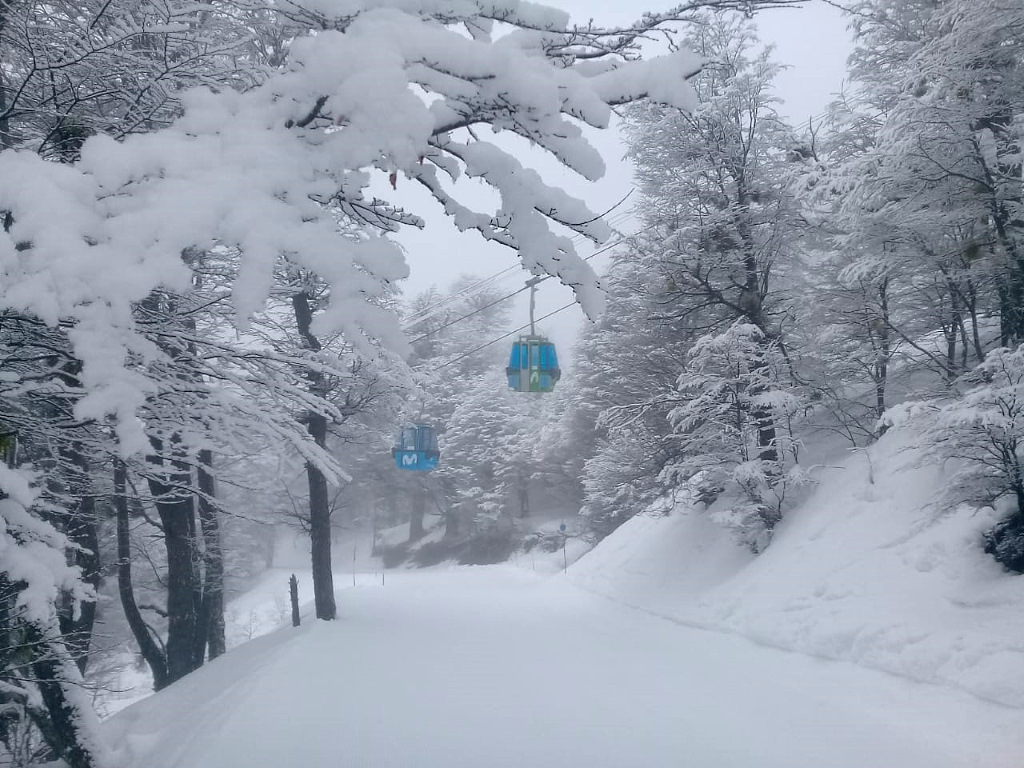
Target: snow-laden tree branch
[389, 93]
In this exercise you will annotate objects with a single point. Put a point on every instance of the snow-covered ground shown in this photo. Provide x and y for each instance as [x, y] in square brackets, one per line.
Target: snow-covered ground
[862, 571]
[498, 666]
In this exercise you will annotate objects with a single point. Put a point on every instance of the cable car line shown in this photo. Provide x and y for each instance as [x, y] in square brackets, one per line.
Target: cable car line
[520, 290]
[476, 311]
[450, 323]
[502, 338]
[426, 312]
[545, 317]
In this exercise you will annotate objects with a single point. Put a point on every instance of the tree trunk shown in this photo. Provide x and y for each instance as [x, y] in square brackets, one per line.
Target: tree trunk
[82, 530]
[320, 528]
[319, 501]
[6, 140]
[1011, 284]
[170, 484]
[764, 423]
[1012, 310]
[451, 523]
[523, 494]
[175, 504]
[419, 512]
[964, 343]
[71, 727]
[751, 302]
[9, 641]
[884, 352]
[151, 651]
[211, 631]
[949, 333]
[766, 433]
[979, 350]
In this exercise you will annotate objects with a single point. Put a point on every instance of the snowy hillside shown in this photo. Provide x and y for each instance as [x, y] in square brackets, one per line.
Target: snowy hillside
[866, 572]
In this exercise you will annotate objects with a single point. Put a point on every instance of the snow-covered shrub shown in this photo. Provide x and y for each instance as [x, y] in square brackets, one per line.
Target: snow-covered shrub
[733, 429]
[762, 499]
[979, 434]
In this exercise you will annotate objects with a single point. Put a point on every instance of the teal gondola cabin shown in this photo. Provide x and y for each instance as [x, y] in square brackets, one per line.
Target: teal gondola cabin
[533, 365]
[416, 448]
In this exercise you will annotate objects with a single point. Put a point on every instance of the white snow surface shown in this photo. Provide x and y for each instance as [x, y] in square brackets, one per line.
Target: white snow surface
[873, 573]
[472, 667]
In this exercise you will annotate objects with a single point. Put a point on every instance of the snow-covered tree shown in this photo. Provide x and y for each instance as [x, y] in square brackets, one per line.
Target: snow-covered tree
[731, 381]
[39, 680]
[719, 248]
[489, 459]
[626, 368]
[718, 209]
[302, 144]
[931, 196]
[73, 70]
[916, 269]
[979, 435]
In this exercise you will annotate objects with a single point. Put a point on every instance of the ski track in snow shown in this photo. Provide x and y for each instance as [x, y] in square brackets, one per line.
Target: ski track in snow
[499, 668]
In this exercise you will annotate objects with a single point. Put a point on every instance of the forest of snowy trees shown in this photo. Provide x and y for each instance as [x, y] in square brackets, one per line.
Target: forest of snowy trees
[204, 335]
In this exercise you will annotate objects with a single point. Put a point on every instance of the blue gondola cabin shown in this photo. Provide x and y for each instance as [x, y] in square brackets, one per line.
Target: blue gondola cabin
[533, 365]
[416, 448]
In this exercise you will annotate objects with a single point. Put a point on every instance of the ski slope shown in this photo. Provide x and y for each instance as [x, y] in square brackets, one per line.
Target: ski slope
[501, 668]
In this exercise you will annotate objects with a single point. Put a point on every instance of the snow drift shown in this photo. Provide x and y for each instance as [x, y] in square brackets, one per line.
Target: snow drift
[868, 569]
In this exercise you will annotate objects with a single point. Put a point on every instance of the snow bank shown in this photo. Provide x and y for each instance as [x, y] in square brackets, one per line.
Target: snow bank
[868, 572]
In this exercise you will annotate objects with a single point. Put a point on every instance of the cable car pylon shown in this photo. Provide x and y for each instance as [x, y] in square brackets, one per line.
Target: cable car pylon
[533, 364]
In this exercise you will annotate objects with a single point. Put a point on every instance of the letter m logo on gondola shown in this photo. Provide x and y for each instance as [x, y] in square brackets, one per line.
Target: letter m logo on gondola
[410, 459]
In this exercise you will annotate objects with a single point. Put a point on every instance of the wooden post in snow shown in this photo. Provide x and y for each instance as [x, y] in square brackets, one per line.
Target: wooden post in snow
[293, 589]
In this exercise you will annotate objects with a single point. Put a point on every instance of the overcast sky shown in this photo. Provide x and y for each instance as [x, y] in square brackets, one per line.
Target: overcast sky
[812, 41]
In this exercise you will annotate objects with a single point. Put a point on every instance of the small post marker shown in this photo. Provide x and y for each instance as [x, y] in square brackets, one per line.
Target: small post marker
[293, 590]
